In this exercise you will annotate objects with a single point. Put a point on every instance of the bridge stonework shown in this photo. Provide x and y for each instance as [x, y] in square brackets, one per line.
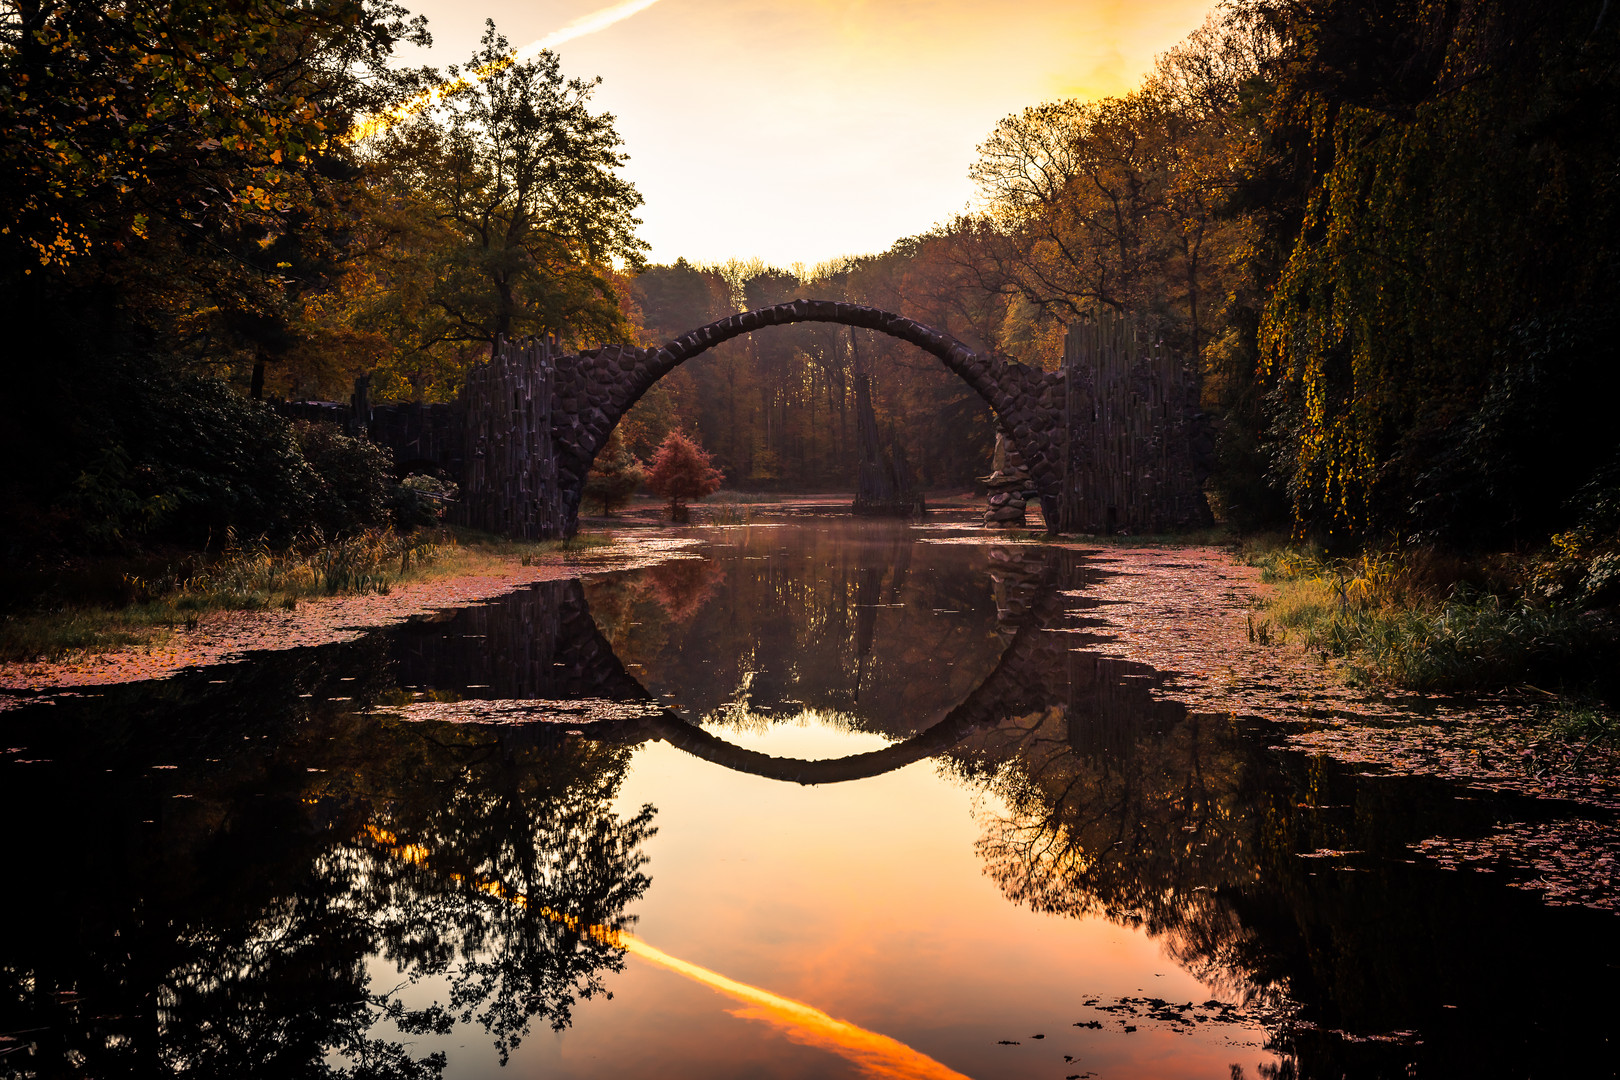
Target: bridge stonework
[545, 415]
[595, 388]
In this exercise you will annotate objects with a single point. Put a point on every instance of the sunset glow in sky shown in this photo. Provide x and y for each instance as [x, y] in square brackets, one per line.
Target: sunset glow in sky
[800, 131]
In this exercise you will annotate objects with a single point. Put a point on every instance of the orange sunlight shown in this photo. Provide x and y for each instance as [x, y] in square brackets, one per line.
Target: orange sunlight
[802, 130]
[875, 1055]
[376, 123]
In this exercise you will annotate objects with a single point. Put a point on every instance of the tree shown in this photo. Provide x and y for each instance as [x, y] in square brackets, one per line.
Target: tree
[614, 476]
[682, 470]
[184, 169]
[516, 187]
[174, 178]
[1438, 337]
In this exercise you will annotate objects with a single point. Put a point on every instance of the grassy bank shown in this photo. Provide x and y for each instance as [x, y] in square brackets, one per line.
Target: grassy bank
[1427, 622]
[154, 600]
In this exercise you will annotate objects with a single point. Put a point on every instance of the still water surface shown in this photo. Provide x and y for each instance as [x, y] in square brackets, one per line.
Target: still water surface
[834, 799]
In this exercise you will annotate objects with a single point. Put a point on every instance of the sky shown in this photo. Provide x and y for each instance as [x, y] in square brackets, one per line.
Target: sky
[798, 132]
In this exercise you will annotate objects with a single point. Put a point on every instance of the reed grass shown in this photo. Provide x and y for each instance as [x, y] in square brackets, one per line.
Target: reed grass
[1410, 621]
[726, 514]
[252, 576]
[731, 495]
[1584, 721]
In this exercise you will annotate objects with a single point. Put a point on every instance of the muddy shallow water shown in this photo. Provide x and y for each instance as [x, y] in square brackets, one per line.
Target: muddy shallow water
[839, 799]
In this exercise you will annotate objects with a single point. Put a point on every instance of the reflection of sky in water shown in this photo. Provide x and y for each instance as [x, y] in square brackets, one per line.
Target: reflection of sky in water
[247, 845]
[867, 899]
[867, 902]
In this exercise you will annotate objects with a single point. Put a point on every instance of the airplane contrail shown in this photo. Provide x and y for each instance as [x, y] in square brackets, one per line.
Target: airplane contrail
[377, 123]
[585, 24]
[877, 1056]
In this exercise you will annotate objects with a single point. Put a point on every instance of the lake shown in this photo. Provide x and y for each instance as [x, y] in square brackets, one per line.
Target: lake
[828, 798]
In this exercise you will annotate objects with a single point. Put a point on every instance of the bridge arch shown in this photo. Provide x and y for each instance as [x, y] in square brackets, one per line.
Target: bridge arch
[1013, 688]
[600, 386]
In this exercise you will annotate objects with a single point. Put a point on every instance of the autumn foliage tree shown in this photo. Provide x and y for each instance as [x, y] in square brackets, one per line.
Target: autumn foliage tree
[520, 207]
[174, 180]
[614, 475]
[682, 470]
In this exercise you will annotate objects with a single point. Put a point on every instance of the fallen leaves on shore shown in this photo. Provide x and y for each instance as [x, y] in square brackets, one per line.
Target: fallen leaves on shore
[1184, 611]
[228, 636]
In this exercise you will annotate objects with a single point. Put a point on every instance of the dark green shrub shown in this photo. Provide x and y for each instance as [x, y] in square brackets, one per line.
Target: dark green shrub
[420, 501]
[189, 460]
[356, 486]
[614, 475]
[195, 460]
[1582, 564]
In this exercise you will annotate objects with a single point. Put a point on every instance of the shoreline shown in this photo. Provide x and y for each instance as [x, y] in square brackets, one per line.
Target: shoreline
[1185, 612]
[228, 636]
[1181, 609]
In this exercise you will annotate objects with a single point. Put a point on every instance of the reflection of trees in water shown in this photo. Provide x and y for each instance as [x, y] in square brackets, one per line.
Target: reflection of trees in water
[827, 618]
[1123, 805]
[474, 860]
[1118, 802]
[231, 935]
[683, 586]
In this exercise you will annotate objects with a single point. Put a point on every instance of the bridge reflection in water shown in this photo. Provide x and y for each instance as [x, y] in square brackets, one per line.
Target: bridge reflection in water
[543, 659]
[313, 859]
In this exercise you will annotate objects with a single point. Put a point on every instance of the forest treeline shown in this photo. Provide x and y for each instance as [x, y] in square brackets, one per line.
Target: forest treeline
[1385, 234]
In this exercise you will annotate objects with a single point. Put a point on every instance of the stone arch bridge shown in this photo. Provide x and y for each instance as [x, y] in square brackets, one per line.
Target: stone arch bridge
[1111, 440]
[545, 415]
[598, 386]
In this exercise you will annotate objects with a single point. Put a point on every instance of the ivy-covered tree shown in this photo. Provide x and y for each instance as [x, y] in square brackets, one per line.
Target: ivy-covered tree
[1441, 198]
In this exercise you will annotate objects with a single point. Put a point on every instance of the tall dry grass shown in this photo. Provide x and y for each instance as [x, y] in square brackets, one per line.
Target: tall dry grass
[253, 576]
[1418, 620]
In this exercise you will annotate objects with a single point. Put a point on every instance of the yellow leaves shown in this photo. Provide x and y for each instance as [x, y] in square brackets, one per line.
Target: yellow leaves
[60, 249]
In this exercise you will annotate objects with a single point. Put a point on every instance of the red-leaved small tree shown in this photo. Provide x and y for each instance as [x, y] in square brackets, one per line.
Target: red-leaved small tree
[681, 470]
